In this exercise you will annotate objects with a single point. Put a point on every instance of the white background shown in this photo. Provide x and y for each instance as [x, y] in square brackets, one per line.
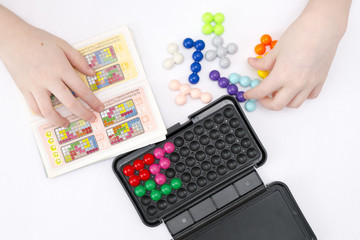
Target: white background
[313, 149]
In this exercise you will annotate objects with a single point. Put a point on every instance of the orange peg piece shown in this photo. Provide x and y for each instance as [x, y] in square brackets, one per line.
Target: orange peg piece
[265, 39]
[260, 49]
[273, 43]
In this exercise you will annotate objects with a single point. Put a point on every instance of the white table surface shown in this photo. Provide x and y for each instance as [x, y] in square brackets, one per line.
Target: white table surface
[313, 149]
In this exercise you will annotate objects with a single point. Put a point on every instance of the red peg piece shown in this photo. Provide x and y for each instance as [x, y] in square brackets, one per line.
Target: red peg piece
[134, 180]
[144, 174]
[149, 159]
[128, 170]
[138, 164]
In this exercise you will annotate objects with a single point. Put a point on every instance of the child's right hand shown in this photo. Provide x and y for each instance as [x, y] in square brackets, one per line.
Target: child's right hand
[42, 64]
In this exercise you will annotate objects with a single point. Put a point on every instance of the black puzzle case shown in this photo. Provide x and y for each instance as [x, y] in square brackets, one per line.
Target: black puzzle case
[221, 196]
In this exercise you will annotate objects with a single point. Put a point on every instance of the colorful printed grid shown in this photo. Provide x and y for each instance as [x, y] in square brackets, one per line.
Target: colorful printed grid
[125, 131]
[105, 77]
[118, 113]
[74, 131]
[80, 148]
[101, 57]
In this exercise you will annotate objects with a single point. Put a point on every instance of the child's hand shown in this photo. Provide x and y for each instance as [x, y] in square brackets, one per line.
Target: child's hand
[41, 64]
[300, 61]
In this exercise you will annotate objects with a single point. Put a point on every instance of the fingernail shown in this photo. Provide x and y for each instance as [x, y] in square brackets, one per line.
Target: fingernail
[93, 118]
[100, 108]
[91, 70]
[65, 124]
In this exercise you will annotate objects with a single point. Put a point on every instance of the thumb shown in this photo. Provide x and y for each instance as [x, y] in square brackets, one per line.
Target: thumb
[266, 63]
[76, 59]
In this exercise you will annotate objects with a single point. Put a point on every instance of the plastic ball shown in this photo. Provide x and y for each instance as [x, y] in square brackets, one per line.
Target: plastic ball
[250, 106]
[265, 39]
[164, 163]
[176, 183]
[232, 89]
[260, 49]
[159, 153]
[155, 195]
[154, 168]
[180, 99]
[194, 78]
[224, 62]
[178, 58]
[207, 29]
[234, 78]
[144, 174]
[148, 159]
[138, 164]
[199, 45]
[195, 93]
[223, 82]
[197, 56]
[134, 180]
[219, 29]
[210, 55]
[245, 81]
[221, 51]
[273, 43]
[166, 189]
[150, 185]
[195, 67]
[160, 179]
[140, 191]
[214, 75]
[168, 63]
[206, 97]
[263, 74]
[184, 89]
[128, 170]
[254, 83]
[219, 17]
[169, 147]
[188, 43]
[217, 41]
[172, 48]
[174, 85]
[240, 96]
[207, 17]
[232, 48]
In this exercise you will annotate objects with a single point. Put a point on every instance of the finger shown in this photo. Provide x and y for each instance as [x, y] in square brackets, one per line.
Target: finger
[64, 95]
[266, 63]
[73, 81]
[76, 59]
[266, 87]
[299, 99]
[316, 91]
[32, 103]
[281, 99]
[44, 102]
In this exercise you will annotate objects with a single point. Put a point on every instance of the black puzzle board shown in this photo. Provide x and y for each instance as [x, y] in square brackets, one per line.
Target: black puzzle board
[272, 215]
[215, 146]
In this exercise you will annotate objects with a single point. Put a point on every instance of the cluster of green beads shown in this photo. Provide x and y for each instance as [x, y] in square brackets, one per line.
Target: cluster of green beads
[208, 18]
[155, 194]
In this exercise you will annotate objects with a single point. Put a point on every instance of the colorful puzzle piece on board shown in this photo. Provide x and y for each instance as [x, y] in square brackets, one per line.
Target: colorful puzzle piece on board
[118, 113]
[80, 148]
[74, 131]
[125, 131]
[105, 77]
[101, 57]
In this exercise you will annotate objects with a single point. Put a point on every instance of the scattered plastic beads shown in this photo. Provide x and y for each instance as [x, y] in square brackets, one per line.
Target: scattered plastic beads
[197, 57]
[221, 51]
[208, 28]
[260, 49]
[177, 57]
[185, 89]
[232, 89]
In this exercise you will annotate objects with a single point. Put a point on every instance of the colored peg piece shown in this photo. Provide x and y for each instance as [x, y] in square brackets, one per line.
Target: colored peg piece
[184, 90]
[221, 52]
